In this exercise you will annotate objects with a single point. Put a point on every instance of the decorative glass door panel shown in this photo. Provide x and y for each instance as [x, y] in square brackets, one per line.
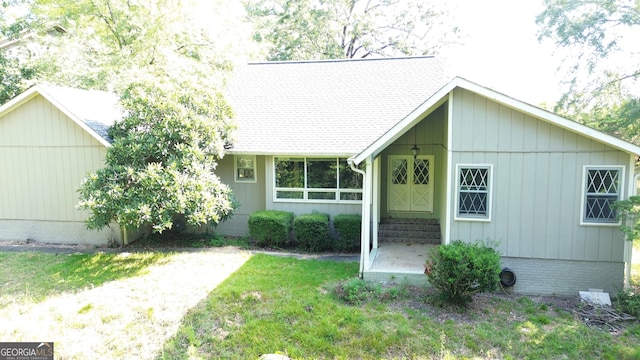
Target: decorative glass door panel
[410, 183]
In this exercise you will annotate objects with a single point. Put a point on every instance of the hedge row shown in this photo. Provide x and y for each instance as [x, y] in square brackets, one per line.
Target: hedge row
[308, 232]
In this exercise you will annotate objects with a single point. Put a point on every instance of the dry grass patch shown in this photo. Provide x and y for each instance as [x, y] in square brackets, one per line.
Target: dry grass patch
[126, 318]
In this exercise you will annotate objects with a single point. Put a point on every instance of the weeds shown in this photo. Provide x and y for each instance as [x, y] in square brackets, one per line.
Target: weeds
[628, 301]
[356, 291]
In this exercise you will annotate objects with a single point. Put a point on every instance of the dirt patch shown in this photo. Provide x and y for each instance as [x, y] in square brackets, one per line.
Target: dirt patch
[488, 306]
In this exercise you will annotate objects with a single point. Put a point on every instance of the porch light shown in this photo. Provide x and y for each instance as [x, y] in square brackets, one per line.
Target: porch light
[415, 150]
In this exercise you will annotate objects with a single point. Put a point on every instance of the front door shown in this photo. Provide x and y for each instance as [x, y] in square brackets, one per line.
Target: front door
[410, 183]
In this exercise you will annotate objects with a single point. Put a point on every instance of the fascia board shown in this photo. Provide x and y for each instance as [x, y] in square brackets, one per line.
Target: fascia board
[51, 98]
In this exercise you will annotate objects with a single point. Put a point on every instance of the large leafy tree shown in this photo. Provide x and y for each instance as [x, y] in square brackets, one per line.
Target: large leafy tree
[110, 42]
[603, 68]
[15, 73]
[161, 165]
[338, 29]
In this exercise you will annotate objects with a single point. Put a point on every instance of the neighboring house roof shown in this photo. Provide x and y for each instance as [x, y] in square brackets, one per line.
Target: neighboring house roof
[330, 107]
[94, 111]
[442, 94]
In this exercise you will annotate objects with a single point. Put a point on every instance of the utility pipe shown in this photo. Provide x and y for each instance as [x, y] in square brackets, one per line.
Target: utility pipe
[363, 248]
[629, 242]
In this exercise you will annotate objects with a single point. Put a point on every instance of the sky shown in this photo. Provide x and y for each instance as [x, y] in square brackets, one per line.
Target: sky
[501, 51]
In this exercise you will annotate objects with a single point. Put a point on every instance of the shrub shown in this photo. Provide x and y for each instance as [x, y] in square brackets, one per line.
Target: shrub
[459, 270]
[348, 228]
[270, 227]
[628, 301]
[312, 231]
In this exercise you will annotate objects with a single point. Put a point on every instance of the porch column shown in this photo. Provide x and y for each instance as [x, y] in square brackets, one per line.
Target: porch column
[375, 203]
[367, 191]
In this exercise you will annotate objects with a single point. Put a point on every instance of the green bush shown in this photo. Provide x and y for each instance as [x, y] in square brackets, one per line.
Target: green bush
[312, 231]
[348, 228]
[628, 301]
[270, 227]
[459, 270]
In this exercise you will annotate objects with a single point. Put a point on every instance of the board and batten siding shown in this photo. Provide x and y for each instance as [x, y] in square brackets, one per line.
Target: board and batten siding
[44, 157]
[249, 195]
[537, 183]
[430, 136]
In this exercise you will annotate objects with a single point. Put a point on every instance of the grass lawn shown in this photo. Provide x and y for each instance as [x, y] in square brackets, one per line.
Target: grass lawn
[288, 306]
[229, 304]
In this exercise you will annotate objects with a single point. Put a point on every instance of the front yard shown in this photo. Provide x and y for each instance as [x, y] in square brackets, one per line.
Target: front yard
[230, 304]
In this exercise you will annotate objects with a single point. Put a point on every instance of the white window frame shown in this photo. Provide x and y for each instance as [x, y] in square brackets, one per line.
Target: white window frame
[305, 191]
[236, 159]
[469, 217]
[583, 193]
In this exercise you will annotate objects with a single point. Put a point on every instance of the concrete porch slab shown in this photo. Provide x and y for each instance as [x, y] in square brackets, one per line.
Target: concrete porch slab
[398, 262]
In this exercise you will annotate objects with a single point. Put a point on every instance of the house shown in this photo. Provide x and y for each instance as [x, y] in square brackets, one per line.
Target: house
[424, 159]
[439, 160]
[50, 139]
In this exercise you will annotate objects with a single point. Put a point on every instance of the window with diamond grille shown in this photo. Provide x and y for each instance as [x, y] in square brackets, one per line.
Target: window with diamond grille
[602, 189]
[473, 191]
[421, 171]
[399, 175]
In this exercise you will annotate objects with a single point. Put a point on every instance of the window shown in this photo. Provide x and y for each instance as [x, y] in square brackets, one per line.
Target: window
[601, 189]
[245, 168]
[474, 192]
[316, 179]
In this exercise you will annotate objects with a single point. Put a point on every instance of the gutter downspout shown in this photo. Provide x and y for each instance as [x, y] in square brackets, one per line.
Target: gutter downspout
[629, 242]
[362, 232]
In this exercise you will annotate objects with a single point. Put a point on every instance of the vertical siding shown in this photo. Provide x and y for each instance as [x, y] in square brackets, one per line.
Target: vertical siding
[251, 197]
[44, 156]
[537, 182]
[430, 136]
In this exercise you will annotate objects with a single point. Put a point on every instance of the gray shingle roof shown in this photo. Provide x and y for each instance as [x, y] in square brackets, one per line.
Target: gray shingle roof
[326, 107]
[96, 109]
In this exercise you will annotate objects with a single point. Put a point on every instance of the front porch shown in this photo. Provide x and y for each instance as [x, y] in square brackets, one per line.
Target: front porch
[398, 263]
[401, 252]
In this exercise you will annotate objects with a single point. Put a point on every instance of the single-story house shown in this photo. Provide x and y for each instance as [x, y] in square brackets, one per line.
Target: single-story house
[440, 160]
[425, 159]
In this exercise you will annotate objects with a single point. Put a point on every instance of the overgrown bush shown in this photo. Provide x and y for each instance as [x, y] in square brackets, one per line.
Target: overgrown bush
[270, 227]
[628, 301]
[348, 228]
[459, 270]
[312, 231]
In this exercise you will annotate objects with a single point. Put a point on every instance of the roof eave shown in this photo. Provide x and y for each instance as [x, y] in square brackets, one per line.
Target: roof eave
[442, 95]
[290, 153]
[433, 102]
[51, 98]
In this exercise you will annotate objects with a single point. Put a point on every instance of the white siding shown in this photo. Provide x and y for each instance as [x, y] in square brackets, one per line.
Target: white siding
[44, 156]
[537, 182]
